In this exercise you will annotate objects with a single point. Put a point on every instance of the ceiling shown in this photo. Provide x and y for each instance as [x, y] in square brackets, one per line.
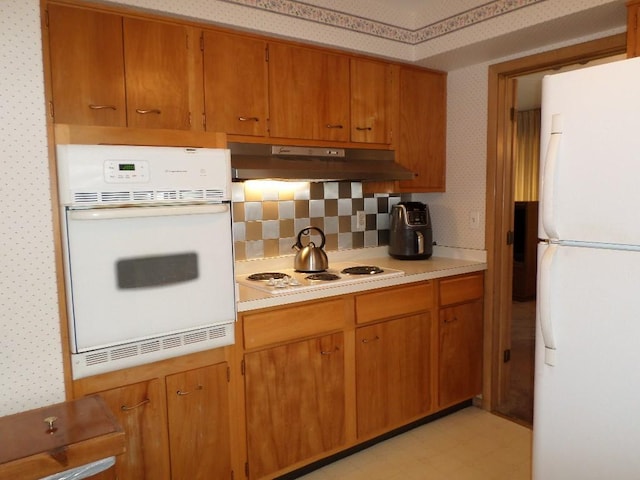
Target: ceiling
[451, 34]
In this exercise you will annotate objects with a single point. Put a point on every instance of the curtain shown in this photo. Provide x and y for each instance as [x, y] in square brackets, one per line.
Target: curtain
[527, 155]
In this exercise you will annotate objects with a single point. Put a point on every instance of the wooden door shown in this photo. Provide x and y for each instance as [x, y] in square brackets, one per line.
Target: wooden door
[370, 101]
[295, 401]
[235, 84]
[157, 65]
[87, 69]
[199, 423]
[393, 373]
[422, 130]
[140, 409]
[460, 366]
[633, 39]
[308, 93]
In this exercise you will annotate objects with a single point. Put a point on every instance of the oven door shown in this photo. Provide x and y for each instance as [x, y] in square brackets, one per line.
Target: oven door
[135, 273]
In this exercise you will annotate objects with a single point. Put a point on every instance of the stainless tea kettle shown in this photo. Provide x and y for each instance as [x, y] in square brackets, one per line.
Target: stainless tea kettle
[310, 258]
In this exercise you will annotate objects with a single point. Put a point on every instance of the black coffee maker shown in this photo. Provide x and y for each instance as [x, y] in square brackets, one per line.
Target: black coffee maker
[411, 237]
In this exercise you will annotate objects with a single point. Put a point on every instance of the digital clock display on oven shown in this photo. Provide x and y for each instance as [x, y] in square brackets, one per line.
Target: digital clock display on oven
[126, 167]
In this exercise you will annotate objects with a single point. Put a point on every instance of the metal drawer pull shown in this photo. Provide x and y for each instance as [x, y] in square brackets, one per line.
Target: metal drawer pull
[125, 408]
[182, 392]
[150, 110]
[246, 119]
[102, 107]
[363, 128]
[334, 126]
[366, 340]
[450, 320]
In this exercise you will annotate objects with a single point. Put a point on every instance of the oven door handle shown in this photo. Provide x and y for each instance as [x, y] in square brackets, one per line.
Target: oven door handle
[148, 211]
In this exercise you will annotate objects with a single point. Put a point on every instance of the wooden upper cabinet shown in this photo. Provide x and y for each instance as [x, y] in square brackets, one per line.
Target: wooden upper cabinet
[308, 93]
[87, 80]
[370, 101]
[421, 146]
[235, 84]
[157, 64]
[112, 70]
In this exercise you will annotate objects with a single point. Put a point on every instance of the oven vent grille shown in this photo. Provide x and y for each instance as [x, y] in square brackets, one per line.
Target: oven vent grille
[143, 196]
[147, 196]
[146, 351]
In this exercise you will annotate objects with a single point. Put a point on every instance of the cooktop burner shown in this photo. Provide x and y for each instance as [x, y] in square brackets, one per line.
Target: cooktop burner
[323, 276]
[363, 270]
[290, 281]
[267, 276]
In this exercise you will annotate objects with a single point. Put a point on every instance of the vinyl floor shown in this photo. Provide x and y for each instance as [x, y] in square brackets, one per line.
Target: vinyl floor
[471, 444]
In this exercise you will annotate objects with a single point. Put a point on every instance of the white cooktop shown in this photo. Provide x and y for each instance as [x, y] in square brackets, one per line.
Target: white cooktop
[296, 282]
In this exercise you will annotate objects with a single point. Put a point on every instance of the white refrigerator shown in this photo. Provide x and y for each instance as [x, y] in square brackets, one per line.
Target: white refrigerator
[587, 373]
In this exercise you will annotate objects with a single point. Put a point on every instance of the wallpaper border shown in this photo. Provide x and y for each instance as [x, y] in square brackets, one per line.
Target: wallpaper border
[335, 18]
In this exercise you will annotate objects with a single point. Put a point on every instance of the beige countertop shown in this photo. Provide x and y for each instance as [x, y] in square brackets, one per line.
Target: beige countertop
[445, 262]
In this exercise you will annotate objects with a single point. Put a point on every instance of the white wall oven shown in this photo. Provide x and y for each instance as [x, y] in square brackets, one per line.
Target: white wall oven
[148, 253]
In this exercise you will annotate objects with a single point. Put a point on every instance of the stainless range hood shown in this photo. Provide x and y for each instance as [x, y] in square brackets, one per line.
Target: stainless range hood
[250, 161]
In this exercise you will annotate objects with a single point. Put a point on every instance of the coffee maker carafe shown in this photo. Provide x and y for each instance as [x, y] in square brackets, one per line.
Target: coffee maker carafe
[411, 237]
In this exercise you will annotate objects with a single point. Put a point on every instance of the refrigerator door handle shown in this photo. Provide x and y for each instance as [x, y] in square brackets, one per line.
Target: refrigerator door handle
[549, 177]
[544, 296]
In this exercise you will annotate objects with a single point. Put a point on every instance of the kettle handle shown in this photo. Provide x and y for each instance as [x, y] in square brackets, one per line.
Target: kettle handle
[305, 231]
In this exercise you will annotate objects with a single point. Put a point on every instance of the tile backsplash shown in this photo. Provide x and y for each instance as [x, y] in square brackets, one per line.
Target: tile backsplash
[267, 216]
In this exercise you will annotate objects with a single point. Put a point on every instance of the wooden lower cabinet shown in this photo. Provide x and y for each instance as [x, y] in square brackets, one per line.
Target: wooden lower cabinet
[460, 353]
[460, 335]
[393, 373]
[176, 422]
[140, 409]
[295, 401]
[198, 411]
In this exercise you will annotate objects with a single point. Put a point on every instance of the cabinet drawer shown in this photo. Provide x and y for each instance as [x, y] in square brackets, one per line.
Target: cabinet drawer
[461, 289]
[289, 323]
[394, 302]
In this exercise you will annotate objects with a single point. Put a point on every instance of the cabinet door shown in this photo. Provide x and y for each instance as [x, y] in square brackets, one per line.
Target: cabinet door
[295, 401]
[370, 101]
[308, 93]
[198, 411]
[460, 367]
[140, 410]
[157, 80]
[421, 143]
[393, 373]
[87, 69]
[235, 83]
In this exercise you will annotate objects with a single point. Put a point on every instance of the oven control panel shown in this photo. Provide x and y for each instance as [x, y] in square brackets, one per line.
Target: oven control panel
[130, 171]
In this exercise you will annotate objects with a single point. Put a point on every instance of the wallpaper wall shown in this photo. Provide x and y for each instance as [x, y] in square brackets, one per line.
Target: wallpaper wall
[30, 353]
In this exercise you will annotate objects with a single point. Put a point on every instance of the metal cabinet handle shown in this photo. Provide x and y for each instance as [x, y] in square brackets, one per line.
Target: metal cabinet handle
[102, 107]
[329, 352]
[451, 320]
[126, 408]
[149, 110]
[367, 340]
[247, 119]
[363, 128]
[329, 125]
[183, 392]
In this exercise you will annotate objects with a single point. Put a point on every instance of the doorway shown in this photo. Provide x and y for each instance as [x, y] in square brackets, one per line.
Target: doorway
[502, 335]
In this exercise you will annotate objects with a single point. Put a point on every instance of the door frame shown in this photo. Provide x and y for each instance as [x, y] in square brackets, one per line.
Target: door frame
[499, 199]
